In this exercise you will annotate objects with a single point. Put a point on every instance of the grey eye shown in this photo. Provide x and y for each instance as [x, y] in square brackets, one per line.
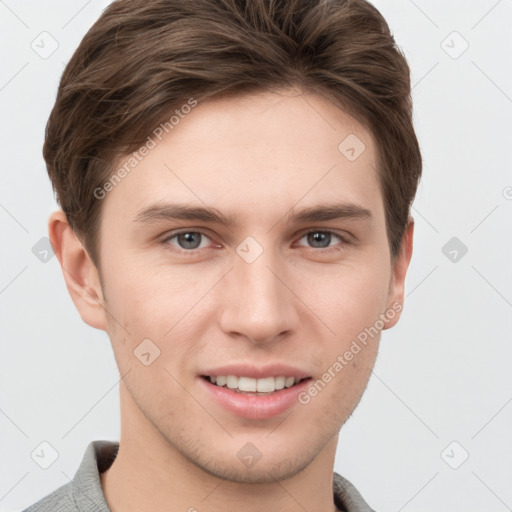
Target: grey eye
[188, 240]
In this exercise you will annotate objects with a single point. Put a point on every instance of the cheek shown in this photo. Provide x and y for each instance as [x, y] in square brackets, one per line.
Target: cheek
[349, 301]
[150, 299]
[147, 302]
[347, 298]
[347, 368]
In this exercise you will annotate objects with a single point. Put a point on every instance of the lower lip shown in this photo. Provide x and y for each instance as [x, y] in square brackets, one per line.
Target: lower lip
[255, 407]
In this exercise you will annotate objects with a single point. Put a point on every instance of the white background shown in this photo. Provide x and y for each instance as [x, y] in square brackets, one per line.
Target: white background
[442, 375]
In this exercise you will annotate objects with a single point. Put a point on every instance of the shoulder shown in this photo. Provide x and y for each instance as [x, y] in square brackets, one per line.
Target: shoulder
[84, 492]
[60, 500]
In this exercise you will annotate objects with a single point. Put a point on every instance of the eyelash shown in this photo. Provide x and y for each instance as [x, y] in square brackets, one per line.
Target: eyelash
[328, 250]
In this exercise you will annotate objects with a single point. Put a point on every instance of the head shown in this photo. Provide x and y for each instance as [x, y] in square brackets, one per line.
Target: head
[236, 179]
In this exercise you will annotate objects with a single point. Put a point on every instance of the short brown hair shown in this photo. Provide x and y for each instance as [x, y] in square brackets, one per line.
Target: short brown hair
[142, 59]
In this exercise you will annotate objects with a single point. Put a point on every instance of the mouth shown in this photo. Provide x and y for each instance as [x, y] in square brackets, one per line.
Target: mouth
[254, 392]
[254, 386]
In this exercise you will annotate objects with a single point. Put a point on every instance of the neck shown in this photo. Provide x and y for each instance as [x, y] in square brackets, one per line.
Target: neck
[150, 473]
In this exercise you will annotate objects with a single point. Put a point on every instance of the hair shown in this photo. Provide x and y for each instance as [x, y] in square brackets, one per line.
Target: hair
[143, 59]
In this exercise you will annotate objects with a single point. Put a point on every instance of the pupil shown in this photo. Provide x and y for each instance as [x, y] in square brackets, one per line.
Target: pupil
[323, 238]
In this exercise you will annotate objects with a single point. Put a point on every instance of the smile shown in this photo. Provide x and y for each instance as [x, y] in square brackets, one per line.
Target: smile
[255, 398]
[261, 386]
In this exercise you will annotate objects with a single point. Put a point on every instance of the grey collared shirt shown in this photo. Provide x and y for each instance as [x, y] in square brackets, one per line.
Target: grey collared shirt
[84, 493]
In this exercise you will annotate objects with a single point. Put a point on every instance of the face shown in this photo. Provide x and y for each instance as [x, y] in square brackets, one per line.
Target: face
[248, 248]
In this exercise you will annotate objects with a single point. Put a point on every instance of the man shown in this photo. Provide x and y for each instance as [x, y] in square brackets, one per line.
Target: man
[235, 180]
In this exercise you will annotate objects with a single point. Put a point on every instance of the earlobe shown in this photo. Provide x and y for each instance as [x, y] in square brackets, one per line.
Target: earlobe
[397, 284]
[80, 274]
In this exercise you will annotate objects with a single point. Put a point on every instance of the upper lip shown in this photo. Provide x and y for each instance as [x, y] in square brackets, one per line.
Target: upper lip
[257, 372]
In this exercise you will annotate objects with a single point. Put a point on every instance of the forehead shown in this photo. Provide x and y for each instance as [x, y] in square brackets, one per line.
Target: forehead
[256, 155]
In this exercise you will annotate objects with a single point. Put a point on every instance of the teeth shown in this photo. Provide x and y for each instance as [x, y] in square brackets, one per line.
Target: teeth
[231, 382]
[280, 382]
[266, 385]
[247, 384]
[251, 385]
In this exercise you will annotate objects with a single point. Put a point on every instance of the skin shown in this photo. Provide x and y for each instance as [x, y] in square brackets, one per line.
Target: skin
[301, 302]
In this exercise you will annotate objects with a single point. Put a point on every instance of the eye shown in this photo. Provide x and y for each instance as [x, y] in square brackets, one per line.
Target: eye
[321, 239]
[187, 240]
[191, 241]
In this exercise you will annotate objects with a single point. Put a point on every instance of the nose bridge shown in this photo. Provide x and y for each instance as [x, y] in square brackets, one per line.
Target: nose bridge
[259, 305]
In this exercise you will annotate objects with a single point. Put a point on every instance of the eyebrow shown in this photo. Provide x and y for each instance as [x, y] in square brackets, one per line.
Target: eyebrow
[173, 211]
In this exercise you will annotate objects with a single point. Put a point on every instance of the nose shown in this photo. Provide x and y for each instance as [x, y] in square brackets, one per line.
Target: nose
[257, 301]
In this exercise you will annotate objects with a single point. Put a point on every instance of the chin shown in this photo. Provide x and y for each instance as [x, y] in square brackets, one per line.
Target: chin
[263, 472]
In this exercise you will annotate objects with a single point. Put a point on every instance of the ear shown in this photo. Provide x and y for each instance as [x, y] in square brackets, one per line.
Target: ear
[397, 283]
[81, 276]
